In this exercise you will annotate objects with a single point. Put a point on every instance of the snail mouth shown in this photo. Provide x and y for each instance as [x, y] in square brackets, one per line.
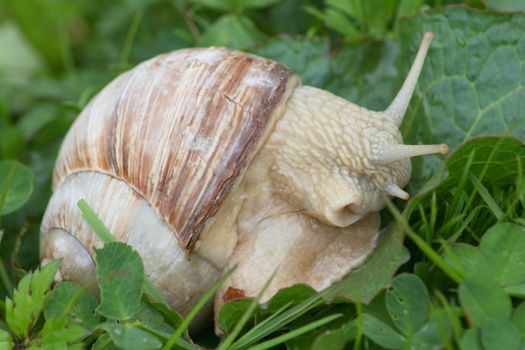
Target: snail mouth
[343, 216]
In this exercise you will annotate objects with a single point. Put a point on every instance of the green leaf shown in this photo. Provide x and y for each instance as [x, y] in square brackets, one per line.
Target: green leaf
[471, 82]
[235, 31]
[352, 8]
[231, 312]
[506, 5]
[500, 255]
[233, 5]
[332, 339]
[60, 332]
[482, 300]
[104, 342]
[308, 58]
[36, 118]
[377, 15]
[126, 336]
[469, 260]
[68, 297]
[504, 249]
[408, 8]
[336, 21]
[44, 24]
[171, 317]
[435, 333]
[220, 5]
[6, 341]
[120, 275]
[381, 334]
[500, 334]
[18, 60]
[376, 273]
[372, 17]
[23, 311]
[11, 142]
[518, 317]
[293, 295]
[19, 180]
[471, 340]
[408, 303]
[245, 4]
[153, 320]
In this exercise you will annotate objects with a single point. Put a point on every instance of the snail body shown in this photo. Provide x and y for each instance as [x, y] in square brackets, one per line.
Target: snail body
[203, 159]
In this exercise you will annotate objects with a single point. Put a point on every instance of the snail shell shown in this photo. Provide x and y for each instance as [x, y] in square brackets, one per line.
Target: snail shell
[164, 144]
[202, 159]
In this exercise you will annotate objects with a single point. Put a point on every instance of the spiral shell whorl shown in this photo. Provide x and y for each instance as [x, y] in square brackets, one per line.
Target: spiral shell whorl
[179, 129]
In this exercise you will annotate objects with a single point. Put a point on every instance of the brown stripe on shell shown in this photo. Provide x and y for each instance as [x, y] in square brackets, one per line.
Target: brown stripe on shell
[179, 129]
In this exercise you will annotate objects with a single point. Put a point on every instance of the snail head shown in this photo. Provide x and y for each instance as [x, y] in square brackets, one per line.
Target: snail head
[338, 160]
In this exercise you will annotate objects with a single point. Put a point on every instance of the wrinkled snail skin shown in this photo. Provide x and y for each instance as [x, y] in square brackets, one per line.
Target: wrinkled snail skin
[205, 159]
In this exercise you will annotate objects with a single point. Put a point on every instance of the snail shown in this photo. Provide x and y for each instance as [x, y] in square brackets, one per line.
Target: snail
[206, 158]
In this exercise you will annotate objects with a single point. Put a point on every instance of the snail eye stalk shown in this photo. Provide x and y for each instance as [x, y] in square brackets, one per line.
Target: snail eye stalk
[398, 107]
[392, 153]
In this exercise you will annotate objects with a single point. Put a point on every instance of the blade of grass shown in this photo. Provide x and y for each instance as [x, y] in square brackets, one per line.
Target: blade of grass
[452, 209]
[425, 223]
[295, 333]
[421, 244]
[228, 341]
[449, 225]
[518, 190]
[191, 315]
[280, 321]
[482, 174]
[130, 37]
[459, 230]
[98, 226]
[488, 199]
[257, 332]
[433, 212]
[106, 236]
